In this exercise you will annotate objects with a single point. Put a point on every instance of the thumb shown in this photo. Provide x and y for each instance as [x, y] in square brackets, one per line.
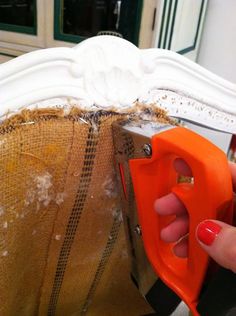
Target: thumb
[219, 241]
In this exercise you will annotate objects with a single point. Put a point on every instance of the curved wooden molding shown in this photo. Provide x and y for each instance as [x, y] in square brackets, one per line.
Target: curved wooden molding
[106, 71]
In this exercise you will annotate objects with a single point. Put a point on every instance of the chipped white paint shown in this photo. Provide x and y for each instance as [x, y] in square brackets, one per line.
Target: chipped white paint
[40, 191]
[60, 197]
[110, 187]
[5, 253]
[30, 196]
[5, 224]
[58, 237]
[2, 142]
[43, 184]
[117, 214]
[104, 72]
[184, 107]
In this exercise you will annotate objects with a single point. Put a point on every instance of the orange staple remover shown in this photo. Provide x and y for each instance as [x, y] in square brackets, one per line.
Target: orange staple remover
[145, 152]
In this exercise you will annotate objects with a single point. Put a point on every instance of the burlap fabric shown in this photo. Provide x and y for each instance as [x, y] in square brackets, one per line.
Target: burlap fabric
[62, 244]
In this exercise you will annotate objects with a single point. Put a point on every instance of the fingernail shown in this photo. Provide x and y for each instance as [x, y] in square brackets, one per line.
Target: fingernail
[207, 232]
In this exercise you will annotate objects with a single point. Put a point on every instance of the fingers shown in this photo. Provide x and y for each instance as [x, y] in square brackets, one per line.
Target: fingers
[181, 248]
[176, 229]
[169, 204]
[219, 241]
[216, 238]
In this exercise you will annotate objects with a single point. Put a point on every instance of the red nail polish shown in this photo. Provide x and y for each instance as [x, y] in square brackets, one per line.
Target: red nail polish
[207, 232]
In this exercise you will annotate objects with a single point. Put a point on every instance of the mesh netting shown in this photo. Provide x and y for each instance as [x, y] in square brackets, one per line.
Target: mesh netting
[62, 244]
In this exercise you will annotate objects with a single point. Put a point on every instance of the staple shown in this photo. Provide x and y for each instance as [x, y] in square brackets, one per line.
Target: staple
[81, 119]
[27, 123]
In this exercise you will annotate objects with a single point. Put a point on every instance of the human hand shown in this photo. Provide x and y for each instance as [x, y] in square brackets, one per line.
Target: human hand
[218, 239]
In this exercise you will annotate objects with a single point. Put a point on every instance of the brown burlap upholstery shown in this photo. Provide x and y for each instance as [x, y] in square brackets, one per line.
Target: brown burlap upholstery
[62, 244]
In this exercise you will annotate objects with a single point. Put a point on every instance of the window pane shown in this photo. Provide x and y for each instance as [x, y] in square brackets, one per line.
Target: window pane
[18, 12]
[87, 17]
[76, 20]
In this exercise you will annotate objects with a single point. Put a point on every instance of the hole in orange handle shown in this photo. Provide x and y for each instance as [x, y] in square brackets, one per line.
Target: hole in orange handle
[184, 171]
[182, 167]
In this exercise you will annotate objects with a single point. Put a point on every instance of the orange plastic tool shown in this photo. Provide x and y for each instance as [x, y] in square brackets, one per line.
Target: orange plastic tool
[209, 197]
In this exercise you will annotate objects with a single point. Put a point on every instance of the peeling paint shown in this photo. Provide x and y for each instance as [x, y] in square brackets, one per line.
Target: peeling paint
[43, 184]
[2, 142]
[5, 253]
[117, 214]
[59, 199]
[110, 187]
[41, 192]
[186, 107]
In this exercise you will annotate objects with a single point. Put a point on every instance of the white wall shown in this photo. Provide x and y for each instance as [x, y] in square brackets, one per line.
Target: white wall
[218, 45]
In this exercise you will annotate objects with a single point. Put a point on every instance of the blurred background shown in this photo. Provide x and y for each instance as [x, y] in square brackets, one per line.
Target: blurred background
[202, 30]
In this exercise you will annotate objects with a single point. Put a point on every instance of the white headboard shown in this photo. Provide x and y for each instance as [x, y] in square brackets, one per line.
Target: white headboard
[106, 71]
